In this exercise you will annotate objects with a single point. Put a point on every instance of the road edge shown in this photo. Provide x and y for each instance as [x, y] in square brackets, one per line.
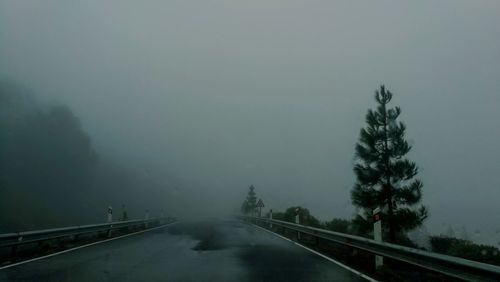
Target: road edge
[83, 246]
[362, 275]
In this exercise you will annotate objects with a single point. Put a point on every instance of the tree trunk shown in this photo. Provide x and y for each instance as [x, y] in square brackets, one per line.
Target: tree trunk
[392, 232]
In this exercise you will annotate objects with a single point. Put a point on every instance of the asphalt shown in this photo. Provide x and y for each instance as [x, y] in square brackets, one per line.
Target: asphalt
[208, 250]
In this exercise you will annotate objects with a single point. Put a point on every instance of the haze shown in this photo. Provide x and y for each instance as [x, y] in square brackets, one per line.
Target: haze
[212, 96]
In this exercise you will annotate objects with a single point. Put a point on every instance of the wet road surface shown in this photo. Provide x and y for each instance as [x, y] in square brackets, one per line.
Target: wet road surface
[209, 250]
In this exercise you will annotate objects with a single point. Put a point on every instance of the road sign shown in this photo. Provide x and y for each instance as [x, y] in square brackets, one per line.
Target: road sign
[260, 204]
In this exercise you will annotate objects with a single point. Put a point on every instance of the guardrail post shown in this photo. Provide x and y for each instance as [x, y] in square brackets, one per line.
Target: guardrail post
[316, 239]
[13, 251]
[377, 235]
[146, 218]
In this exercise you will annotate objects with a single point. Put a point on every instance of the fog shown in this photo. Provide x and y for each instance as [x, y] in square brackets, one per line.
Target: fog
[209, 97]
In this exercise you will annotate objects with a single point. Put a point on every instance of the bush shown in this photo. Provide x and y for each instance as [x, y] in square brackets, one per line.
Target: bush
[305, 216]
[465, 249]
[338, 225]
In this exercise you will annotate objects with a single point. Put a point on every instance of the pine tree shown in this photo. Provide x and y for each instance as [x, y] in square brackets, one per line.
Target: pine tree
[250, 204]
[385, 178]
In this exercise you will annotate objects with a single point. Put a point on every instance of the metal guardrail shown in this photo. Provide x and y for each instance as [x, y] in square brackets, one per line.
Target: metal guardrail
[448, 265]
[26, 237]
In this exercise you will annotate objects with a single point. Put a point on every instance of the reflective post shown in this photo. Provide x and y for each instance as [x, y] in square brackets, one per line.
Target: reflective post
[110, 214]
[110, 219]
[377, 235]
[297, 221]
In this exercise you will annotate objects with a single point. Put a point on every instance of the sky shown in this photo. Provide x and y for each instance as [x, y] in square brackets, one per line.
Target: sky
[216, 95]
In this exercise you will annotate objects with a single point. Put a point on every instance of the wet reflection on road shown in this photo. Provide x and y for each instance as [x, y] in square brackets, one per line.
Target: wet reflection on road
[208, 250]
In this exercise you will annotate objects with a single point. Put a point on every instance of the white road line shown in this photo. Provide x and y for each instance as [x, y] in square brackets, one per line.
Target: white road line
[83, 246]
[322, 255]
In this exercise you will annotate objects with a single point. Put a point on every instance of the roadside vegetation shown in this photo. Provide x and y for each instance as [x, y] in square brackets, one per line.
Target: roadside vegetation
[385, 179]
[440, 244]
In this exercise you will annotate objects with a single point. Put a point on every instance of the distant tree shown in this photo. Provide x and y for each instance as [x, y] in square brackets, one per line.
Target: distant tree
[250, 204]
[338, 225]
[385, 178]
[244, 207]
[305, 216]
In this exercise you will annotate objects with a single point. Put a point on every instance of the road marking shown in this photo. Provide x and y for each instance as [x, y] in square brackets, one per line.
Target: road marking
[83, 246]
[322, 255]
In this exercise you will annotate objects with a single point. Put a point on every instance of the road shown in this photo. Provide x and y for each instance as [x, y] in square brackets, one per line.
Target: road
[209, 250]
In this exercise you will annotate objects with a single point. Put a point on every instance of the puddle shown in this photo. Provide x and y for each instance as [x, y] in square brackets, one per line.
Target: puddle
[209, 237]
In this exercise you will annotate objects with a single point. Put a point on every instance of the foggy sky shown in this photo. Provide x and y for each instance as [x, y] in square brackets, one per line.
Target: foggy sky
[218, 95]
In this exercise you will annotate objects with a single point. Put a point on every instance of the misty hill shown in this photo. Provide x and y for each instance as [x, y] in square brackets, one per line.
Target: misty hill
[50, 174]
